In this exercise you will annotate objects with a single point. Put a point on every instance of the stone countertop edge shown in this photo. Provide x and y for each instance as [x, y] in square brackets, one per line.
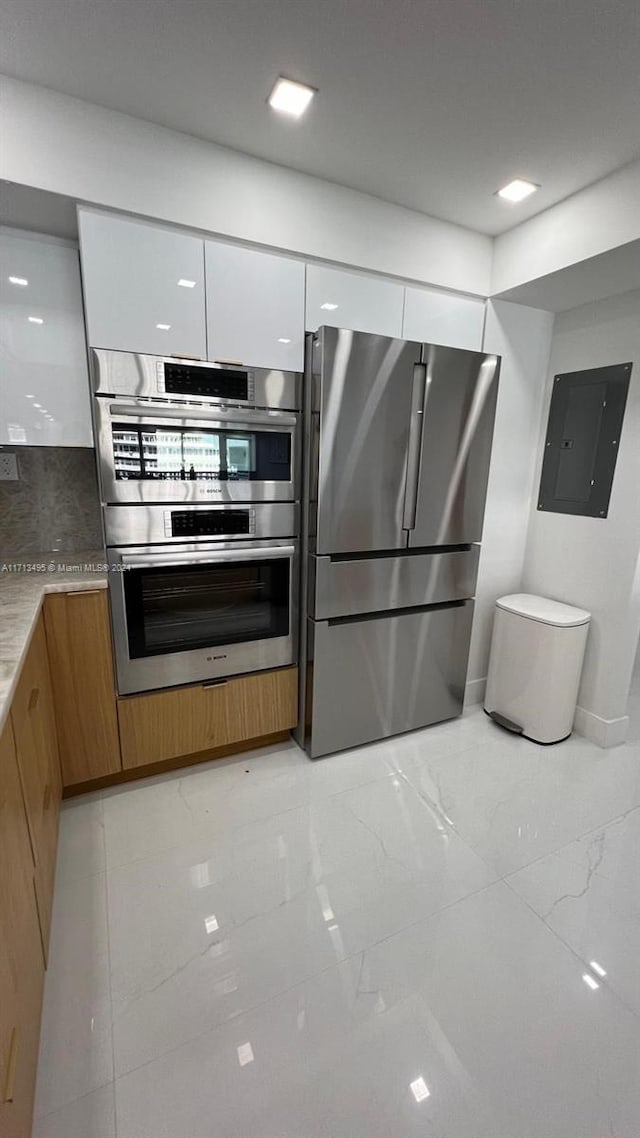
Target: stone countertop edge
[22, 591]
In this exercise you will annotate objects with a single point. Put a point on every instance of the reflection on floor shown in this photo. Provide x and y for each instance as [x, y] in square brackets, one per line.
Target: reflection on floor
[438, 935]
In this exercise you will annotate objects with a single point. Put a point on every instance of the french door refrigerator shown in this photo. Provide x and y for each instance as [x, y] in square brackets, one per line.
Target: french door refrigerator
[397, 448]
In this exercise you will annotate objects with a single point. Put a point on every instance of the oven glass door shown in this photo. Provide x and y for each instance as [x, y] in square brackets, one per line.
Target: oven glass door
[179, 454]
[180, 607]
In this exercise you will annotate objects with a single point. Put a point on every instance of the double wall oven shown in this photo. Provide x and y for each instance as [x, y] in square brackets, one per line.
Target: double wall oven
[199, 478]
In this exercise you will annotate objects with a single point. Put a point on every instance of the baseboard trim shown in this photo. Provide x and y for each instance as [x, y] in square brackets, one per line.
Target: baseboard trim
[474, 691]
[165, 766]
[604, 732]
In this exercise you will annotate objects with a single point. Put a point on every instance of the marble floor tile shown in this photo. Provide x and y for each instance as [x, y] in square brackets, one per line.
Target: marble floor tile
[81, 849]
[589, 894]
[474, 1023]
[269, 947]
[76, 1051]
[219, 796]
[92, 1116]
[513, 801]
[204, 932]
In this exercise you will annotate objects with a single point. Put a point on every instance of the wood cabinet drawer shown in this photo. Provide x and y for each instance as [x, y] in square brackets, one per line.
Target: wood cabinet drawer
[22, 978]
[34, 729]
[21, 957]
[79, 642]
[182, 721]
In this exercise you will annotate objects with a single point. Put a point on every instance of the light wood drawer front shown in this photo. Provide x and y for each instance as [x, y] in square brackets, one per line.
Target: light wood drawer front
[79, 641]
[34, 729]
[16, 858]
[183, 721]
[21, 990]
[21, 957]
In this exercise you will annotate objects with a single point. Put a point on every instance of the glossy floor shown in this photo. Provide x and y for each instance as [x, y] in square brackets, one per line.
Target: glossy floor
[438, 935]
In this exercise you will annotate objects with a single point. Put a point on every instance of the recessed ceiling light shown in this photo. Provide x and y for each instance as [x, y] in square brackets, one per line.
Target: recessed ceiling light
[163, 327]
[291, 98]
[590, 982]
[517, 190]
[35, 319]
[283, 340]
[38, 405]
[29, 396]
[184, 283]
[329, 307]
[22, 281]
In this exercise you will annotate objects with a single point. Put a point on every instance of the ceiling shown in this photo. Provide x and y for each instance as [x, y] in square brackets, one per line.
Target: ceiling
[432, 104]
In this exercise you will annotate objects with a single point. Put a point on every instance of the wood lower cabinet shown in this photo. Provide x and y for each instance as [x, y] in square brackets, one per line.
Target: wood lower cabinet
[183, 721]
[21, 957]
[34, 729]
[79, 642]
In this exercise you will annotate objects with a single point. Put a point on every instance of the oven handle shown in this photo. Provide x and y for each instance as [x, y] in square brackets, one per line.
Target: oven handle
[140, 561]
[191, 416]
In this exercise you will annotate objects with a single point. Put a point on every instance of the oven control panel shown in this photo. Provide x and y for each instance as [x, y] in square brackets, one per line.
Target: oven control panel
[183, 379]
[209, 523]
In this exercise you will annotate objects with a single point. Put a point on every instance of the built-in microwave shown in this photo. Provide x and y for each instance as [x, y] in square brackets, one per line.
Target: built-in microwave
[150, 451]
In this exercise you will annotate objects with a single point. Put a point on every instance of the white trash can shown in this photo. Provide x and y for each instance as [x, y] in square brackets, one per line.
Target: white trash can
[537, 650]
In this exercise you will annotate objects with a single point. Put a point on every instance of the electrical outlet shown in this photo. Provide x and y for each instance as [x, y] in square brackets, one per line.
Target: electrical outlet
[8, 468]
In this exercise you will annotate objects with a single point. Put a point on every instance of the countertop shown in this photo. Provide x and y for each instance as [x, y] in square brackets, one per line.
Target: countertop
[24, 581]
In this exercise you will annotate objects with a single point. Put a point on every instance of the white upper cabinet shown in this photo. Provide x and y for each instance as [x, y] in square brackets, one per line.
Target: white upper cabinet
[436, 317]
[255, 307]
[352, 300]
[44, 387]
[143, 287]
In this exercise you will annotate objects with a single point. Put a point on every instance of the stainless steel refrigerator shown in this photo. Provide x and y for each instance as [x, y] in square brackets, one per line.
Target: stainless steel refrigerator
[397, 448]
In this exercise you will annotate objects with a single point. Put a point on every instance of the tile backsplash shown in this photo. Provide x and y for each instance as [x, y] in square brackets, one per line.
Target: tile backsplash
[54, 505]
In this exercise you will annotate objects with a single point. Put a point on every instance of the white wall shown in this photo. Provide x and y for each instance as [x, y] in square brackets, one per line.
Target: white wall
[593, 562]
[600, 217]
[522, 336]
[44, 385]
[101, 157]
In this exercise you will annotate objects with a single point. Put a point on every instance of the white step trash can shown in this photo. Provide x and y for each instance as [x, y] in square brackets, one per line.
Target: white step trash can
[537, 650]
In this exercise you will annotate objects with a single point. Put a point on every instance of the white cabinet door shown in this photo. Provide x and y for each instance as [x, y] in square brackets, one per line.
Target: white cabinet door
[352, 300]
[44, 387]
[143, 287]
[436, 317]
[255, 307]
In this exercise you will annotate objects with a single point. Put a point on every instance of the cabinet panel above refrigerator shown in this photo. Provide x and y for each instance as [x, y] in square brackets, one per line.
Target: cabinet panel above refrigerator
[362, 392]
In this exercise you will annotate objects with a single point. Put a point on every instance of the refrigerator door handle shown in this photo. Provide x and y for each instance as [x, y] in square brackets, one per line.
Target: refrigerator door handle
[414, 452]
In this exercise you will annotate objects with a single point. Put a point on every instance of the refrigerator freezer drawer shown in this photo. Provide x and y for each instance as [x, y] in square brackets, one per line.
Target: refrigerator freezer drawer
[345, 587]
[371, 678]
